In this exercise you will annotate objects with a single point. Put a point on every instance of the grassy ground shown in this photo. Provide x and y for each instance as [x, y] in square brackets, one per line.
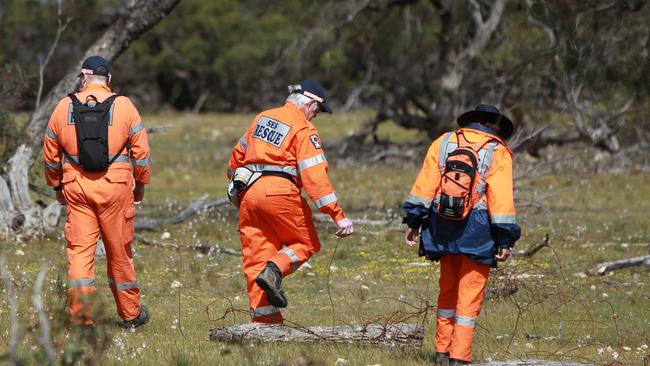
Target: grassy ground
[554, 315]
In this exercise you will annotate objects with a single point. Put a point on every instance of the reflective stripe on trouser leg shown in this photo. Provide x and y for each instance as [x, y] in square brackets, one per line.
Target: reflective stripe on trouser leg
[267, 314]
[471, 289]
[447, 299]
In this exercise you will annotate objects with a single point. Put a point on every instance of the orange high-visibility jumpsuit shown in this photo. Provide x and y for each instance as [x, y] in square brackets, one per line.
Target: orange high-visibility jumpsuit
[466, 248]
[99, 202]
[275, 222]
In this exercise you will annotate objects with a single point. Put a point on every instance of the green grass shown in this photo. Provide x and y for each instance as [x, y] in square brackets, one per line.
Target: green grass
[554, 315]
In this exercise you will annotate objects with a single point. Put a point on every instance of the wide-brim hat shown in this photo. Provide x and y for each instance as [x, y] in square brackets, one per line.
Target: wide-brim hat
[485, 113]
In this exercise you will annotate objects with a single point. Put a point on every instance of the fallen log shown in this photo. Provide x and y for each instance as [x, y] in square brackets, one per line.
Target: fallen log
[602, 268]
[390, 335]
[531, 363]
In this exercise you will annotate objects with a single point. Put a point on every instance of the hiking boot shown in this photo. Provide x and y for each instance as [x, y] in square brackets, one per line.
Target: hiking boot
[141, 319]
[455, 362]
[270, 280]
[441, 359]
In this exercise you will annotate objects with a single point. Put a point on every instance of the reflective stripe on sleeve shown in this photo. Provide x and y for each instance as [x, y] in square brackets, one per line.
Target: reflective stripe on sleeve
[308, 163]
[123, 286]
[444, 145]
[230, 171]
[418, 200]
[51, 134]
[465, 320]
[265, 310]
[292, 255]
[140, 163]
[324, 201]
[480, 205]
[243, 143]
[55, 166]
[272, 168]
[81, 282]
[446, 313]
[503, 219]
[137, 128]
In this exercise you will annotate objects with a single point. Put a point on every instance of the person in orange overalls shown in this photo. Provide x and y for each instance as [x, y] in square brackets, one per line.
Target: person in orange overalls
[99, 202]
[466, 248]
[275, 222]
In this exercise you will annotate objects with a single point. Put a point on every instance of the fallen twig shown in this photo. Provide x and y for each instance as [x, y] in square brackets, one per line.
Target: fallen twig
[533, 249]
[602, 268]
[200, 247]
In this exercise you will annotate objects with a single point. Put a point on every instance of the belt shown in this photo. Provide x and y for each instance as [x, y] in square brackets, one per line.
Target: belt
[282, 175]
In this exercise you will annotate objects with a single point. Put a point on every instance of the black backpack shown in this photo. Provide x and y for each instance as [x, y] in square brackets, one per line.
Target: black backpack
[91, 124]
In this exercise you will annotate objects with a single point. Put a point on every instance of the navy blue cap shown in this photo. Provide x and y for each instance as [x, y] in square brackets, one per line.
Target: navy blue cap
[312, 89]
[485, 113]
[96, 65]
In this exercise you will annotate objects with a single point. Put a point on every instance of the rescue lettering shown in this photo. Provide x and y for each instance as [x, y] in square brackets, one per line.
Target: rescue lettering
[271, 131]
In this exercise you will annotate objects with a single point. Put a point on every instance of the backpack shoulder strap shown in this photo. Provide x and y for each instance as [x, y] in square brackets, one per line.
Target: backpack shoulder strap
[110, 99]
[75, 101]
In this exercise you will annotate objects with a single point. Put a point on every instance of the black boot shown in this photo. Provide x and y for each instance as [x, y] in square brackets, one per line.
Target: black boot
[441, 359]
[141, 319]
[270, 280]
[455, 362]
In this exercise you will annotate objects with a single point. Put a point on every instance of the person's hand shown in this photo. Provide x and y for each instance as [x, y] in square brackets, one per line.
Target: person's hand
[138, 193]
[60, 198]
[344, 228]
[411, 236]
[503, 254]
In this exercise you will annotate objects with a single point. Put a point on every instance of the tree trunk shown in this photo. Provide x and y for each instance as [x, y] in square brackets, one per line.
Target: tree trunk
[19, 216]
[390, 335]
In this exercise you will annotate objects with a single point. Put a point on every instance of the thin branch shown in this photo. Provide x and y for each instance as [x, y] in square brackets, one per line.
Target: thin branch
[13, 311]
[61, 28]
[44, 337]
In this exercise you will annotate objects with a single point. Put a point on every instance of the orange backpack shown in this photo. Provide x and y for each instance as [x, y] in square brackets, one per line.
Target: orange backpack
[459, 178]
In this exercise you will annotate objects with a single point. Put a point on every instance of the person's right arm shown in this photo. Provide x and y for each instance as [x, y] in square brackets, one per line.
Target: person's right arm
[422, 193]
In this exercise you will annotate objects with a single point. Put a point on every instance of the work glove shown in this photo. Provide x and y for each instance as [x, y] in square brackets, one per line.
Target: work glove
[344, 228]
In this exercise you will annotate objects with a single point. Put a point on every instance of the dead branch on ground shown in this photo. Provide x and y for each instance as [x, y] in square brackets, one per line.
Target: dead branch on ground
[204, 248]
[602, 268]
[533, 249]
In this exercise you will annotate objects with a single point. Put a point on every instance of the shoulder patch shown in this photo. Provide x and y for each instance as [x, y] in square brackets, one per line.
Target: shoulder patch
[315, 141]
[271, 131]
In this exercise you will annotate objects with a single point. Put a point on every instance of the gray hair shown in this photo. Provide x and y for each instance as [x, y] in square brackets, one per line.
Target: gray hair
[298, 99]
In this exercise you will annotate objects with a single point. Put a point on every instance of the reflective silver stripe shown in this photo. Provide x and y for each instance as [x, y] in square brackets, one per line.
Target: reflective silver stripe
[51, 134]
[142, 162]
[70, 115]
[418, 200]
[56, 166]
[465, 320]
[75, 159]
[272, 168]
[308, 163]
[123, 286]
[81, 282]
[324, 201]
[135, 129]
[230, 171]
[485, 158]
[503, 219]
[446, 313]
[480, 205]
[243, 143]
[265, 310]
[292, 255]
[444, 144]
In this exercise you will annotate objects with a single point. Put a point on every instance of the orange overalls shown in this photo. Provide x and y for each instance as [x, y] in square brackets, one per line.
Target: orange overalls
[99, 202]
[275, 222]
[466, 248]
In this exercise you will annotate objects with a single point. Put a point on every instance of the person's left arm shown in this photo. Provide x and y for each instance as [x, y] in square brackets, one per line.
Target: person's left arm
[500, 202]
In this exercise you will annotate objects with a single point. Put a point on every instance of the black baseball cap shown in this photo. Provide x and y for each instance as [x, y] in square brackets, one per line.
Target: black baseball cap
[96, 65]
[312, 89]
